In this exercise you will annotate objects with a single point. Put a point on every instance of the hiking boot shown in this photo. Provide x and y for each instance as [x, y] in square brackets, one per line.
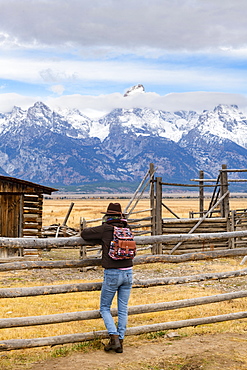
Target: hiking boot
[120, 350]
[114, 344]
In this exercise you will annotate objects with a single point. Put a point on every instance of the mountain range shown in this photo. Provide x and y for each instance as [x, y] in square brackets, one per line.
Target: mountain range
[65, 148]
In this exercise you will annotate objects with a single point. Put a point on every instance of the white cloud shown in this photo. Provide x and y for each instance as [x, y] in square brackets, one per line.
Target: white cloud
[97, 106]
[8, 101]
[57, 89]
[79, 46]
[197, 101]
[76, 73]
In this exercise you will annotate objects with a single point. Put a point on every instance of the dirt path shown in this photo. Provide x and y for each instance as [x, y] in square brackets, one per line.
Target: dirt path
[207, 352]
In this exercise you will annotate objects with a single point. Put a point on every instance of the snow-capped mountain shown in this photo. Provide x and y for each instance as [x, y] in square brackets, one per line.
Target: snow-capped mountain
[226, 122]
[135, 90]
[146, 122]
[65, 147]
[41, 119]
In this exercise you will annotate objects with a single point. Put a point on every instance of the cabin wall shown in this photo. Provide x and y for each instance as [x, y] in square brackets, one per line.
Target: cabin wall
[32, 215]
[11, 215]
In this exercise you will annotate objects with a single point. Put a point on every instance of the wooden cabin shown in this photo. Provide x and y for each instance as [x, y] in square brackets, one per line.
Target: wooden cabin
[20, 209]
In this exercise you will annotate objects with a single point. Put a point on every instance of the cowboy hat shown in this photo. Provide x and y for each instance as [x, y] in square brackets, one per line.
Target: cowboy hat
[113, 209]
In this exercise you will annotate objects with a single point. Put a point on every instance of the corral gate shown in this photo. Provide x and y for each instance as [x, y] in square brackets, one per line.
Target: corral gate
[218, 218]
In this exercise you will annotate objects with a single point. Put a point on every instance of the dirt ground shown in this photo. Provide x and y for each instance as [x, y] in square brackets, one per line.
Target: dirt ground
[207, 352]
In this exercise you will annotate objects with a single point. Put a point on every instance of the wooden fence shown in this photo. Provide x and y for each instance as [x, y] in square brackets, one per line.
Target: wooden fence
[185, 225]
[88, 315]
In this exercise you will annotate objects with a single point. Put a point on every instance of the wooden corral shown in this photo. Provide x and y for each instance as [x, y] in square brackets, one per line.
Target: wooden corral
[21, 210]
[184, 226]
[217, 218]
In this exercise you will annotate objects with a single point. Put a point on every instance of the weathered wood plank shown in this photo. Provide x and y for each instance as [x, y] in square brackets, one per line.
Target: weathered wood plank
[211, 220]
[14, 344]
[32, 210]
[137, 260]
[140, 240]
[86, 287]
[184, 230]
[132, 310]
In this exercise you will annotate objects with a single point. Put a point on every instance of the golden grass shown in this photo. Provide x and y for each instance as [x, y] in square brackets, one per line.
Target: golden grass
[54, 212]
[72, 302]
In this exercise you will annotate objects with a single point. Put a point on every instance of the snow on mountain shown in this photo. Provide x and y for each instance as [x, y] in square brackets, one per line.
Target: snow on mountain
[225, 122]
[99, 130]
[66, 147]
[137, 89]
[41, 118]
[145, 122]
[77, 120]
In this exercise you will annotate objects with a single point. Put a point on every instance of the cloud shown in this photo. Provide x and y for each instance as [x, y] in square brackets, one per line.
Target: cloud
[186, 50]
[197, 101]
[77, 75]
[162, 24]
[97, 106]
[57, 89]
[8, 101]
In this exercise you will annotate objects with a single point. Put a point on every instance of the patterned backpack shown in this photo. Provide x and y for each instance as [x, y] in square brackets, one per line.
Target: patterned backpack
[122, 246]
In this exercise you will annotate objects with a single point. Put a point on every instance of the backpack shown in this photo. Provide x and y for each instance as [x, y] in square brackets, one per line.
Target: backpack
[122, 246]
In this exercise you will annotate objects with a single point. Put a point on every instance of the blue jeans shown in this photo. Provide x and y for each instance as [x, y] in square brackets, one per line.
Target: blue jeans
[119, 281]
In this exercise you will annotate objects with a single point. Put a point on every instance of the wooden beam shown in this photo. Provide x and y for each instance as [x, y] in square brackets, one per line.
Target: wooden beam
[96, 286]
[202, 219]
[13, 344]
[232, 170]
[132, 310]
[76, 241]
[169, 209]
[188, 185]
[215, 180]
[138, 260]
[68, 214]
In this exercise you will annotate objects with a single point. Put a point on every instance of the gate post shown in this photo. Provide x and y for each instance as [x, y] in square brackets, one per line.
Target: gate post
[158, 213]
[152, 200]
[224, 206]
[201, 193]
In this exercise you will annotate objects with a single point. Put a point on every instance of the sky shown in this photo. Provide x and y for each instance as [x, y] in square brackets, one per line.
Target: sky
[85, 54]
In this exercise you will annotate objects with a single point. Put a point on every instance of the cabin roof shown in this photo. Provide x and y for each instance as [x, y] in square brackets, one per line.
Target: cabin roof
[23, 186]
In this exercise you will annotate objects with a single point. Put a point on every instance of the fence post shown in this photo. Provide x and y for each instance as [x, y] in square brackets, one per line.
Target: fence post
[232, 227]
[201, 193]
[158, 213]
[83, 248]
[224, 188]
[152, 203]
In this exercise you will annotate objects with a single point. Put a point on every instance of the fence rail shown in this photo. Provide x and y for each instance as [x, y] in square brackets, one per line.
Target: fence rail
[75, 241]
[96, 286]
[68, 288]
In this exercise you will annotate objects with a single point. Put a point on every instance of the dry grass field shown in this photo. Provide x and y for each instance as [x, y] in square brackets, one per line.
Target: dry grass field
[54, 212]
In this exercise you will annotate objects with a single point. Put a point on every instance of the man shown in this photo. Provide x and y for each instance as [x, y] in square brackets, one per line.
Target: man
[117, 276]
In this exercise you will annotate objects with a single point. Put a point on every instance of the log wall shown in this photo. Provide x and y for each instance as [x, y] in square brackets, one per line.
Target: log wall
[32, 215]
[184, 225]
[238, 222]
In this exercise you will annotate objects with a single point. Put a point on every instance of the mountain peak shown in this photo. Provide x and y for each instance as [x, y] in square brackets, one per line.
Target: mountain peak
[65, 147]
[135, 90]
[225, 108]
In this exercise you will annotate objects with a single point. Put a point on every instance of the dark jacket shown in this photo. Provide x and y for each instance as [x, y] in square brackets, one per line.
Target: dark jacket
[103, 235]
